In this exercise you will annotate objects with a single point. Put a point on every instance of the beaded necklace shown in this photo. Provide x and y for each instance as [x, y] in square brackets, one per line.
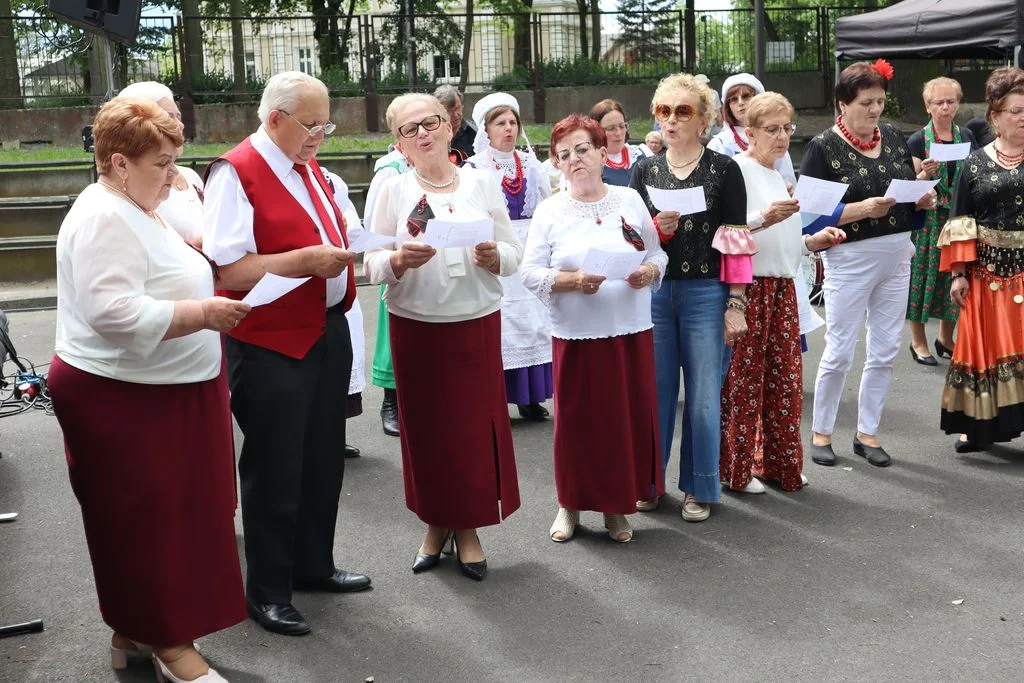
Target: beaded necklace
[740, 142]
[855, 141]
[619, 165]
[513, 185]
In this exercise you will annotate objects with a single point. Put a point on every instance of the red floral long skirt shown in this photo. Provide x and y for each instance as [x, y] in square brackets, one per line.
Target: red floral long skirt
[763, 394]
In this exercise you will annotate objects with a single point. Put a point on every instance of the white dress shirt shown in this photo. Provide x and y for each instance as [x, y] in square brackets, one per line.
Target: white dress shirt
[449, 287]
[563, 231]
[183, 209]
[228, 234]
[119, 273]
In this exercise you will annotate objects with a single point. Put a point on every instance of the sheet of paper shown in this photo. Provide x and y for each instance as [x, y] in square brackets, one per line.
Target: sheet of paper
[819, 196]
[909, 190]
[690, 200]
[614, 265]
[954, 152]
[450, 235]
[369, 240]
[271, 288]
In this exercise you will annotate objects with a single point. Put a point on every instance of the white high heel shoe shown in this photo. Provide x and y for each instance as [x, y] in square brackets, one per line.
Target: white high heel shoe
[119, 656]
[618, 528]
[565, 525]
[163, 675]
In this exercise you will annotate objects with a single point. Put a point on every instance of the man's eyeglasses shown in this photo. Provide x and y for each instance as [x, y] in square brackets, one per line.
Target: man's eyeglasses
[325, 128]
[410, 130]
[581, 150]
[683, 112]
[775, 131]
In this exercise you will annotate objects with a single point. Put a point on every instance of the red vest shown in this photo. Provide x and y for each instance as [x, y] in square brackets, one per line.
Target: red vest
[293, 323]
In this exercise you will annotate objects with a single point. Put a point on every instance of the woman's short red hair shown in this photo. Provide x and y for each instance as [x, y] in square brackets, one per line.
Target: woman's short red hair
[131, 127]
[573, 123]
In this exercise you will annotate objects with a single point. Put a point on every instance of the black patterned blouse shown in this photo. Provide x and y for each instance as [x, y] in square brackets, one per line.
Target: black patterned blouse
[829, 157]
[994, 197]
[690, 254]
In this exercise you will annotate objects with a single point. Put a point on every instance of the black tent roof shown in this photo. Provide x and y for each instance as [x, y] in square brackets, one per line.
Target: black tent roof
[933, 28]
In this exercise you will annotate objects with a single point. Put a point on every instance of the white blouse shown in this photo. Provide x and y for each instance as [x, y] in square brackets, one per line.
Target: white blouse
[448, 287]
[119, 273]
[563, 230]
[780, 246]
[183, 209]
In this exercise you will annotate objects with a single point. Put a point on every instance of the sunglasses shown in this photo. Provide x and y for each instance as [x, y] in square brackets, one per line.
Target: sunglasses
[428, 124]
[683, 112]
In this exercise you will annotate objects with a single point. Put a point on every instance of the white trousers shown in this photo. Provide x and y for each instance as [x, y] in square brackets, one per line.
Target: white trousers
[863, 280]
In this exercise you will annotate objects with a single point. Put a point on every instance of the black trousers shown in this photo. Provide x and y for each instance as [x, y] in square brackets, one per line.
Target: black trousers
[292, 413]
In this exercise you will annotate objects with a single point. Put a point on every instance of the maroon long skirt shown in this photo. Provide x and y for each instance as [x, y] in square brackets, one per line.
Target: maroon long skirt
[457, 457]
[607, 453]
[152, 467]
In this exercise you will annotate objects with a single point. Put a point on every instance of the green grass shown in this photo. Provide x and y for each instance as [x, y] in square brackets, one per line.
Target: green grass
[370, 142]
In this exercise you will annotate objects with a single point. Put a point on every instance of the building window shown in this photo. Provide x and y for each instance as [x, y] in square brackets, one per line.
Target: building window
[447, 67]
[250, 66]
[306, 60]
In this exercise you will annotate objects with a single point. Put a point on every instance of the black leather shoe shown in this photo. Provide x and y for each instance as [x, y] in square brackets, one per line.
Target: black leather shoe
[474, 570]
[923, 360]
[424, 562]
[533, 411]
[942, 351]
[965, 447]
[875, 455]
[352, 451]
[282, 619]
[341, 581]
[823, 455]
[389, 413]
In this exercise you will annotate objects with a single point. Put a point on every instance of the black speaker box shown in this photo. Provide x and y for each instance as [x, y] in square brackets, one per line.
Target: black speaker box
[116, 19]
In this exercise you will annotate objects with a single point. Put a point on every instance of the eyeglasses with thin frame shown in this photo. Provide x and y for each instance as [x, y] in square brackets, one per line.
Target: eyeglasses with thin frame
[410, 130]
[615, 127]
[945, 103]
[740, 97]
[325, 128]
[776, 131]
[1013, 111]
[683, 112]
[581, 150]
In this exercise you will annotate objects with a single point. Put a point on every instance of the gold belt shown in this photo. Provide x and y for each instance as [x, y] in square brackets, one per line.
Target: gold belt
[1003, 239]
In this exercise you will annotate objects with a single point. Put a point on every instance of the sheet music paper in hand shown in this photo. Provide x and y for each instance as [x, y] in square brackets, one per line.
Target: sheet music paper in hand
[614, 265]
[819, 196]
[450, 235]
[953, 152]
[908, 191]
[367, 240]
[270, 288]
[686, 202]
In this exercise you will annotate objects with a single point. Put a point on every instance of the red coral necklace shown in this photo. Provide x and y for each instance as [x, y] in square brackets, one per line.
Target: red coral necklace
[619, 165]
[857, 142]
[513, 185]
[740, 142]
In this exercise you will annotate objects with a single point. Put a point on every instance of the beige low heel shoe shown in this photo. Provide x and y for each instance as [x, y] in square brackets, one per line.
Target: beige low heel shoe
[618, 528]
[565, 525]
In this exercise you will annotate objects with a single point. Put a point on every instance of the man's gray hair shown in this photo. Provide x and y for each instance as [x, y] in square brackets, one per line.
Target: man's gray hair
[151, 91]
[447, 94]
[284, 90]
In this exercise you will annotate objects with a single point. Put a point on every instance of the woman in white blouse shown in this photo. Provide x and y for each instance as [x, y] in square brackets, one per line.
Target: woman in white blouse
[607, 454]
[140, 393]
[445, 324]
[763, 394]
[183, 208]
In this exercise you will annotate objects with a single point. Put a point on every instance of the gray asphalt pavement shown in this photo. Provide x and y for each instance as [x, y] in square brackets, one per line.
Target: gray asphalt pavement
[853, 578]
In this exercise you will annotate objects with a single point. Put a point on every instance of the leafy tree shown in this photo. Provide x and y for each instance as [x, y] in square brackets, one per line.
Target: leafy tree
[436, 33]
[648, 29]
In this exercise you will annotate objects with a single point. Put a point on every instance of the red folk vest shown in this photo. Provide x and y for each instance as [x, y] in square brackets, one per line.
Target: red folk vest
[293, 323]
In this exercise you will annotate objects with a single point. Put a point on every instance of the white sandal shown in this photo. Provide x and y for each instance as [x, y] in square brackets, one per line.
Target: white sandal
[618, 528]
[565, 525]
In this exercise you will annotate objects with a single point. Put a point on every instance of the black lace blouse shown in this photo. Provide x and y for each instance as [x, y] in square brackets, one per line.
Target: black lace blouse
[829, 157]
[690, 254]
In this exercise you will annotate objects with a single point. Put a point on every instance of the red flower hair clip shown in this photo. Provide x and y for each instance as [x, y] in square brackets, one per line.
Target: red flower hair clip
[885, 68]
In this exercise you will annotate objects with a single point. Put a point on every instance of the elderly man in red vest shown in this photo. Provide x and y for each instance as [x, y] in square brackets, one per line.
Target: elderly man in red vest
[271, 209]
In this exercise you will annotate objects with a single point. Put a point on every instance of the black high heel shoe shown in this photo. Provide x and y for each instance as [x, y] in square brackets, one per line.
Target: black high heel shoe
[923, 360]
[942, 351]
[474, 570]
[424, 562]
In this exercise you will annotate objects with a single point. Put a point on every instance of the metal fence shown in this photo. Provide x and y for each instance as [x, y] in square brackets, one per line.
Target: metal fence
[229, 58]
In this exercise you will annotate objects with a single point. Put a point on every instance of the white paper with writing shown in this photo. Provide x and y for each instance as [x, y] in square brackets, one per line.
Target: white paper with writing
[686, 202]
[954, 152]
[614, 265]
[270, 288]
[367, 240]
[904, 191]
[450, 235]
[819, 196]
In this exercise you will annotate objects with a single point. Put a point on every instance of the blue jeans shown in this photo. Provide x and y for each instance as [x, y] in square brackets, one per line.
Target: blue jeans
[688, 333]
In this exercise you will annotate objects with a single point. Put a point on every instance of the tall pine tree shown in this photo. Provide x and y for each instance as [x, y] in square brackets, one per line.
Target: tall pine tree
[650, 30]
